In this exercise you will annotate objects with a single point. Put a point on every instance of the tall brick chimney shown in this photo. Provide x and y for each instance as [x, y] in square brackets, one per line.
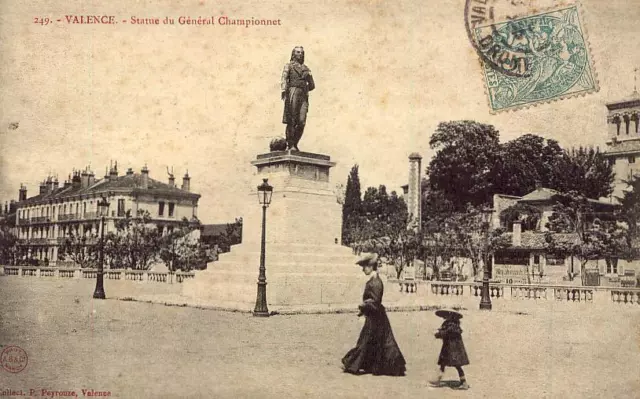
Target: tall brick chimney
[43, 187]
[186, 182]
[84, 179]
[414, 200]
[92, 178]
[144, 181]
[76, 181]
[22, 193]
[113, 172]
[49, 184]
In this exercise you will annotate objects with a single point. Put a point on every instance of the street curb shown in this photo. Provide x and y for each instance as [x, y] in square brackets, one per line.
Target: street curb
[292, 311]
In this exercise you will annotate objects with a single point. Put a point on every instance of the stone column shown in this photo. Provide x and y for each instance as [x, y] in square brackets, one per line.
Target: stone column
[414, 200]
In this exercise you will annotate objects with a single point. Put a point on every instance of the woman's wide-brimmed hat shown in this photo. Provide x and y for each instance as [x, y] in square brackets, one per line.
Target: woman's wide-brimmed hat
[448, 314]
[367, 259]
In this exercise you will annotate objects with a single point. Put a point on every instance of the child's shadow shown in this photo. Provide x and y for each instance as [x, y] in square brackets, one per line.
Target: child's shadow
[453, 384]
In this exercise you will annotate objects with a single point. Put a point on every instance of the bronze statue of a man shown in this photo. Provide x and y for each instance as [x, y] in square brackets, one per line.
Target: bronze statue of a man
[296, 84]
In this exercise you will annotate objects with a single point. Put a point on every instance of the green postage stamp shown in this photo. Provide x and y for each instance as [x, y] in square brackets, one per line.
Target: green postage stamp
[535, 59]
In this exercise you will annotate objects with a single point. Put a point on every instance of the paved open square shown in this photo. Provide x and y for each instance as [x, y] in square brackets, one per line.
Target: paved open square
[137, 350]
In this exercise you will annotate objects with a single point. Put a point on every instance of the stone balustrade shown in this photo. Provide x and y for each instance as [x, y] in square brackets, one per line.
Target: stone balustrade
[534, 292]
[626, 296]
[408, 286]
[109, 274]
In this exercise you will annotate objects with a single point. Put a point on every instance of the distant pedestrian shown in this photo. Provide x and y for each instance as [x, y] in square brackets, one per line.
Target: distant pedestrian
[452, 353]
[376, 351]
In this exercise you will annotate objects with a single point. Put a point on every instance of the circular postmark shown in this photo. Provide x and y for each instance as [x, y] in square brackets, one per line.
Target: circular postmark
[13, 359]
[502, 35]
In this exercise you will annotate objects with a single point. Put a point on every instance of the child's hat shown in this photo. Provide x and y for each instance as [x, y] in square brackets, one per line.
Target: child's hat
[448, 314]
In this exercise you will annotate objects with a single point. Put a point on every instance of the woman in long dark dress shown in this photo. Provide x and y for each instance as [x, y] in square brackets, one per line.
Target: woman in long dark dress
[376, 351]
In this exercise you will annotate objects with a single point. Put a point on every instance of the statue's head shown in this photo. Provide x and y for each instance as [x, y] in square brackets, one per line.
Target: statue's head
[297, 54]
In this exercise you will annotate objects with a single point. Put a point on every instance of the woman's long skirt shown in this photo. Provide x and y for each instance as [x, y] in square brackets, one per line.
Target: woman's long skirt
[376, 351]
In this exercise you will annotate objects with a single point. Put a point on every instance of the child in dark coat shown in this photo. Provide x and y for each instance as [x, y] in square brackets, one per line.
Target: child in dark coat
[452, 353]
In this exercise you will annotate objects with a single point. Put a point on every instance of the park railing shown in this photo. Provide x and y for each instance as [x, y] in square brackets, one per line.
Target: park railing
[109, 274]
[524, 292]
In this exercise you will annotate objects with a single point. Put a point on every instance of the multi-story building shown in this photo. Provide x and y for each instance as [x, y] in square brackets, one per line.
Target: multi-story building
[623, 144]
[45, 220]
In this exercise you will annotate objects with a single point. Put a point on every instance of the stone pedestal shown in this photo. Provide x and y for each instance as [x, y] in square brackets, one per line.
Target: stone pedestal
[305, 263]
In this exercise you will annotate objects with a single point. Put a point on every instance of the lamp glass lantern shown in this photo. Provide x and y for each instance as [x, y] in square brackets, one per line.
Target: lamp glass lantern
[265, 191]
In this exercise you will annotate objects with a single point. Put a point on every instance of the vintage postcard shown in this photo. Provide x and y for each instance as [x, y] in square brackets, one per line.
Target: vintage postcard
[312, 199]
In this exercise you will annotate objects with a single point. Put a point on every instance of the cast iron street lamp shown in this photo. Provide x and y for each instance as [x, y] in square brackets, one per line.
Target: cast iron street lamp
[485, 301]
[264, 196]
[103, 209]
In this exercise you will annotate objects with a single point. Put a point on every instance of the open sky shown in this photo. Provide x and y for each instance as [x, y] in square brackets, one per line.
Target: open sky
[207, 98]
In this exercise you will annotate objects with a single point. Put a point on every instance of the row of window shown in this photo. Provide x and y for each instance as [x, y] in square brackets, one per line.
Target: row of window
[171, 208]
[630, 159]
[78, 209]
[627, 125]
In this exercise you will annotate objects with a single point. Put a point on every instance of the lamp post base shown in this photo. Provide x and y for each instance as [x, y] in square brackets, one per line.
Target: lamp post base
[99, 291]
[485, 301]
[261, 309]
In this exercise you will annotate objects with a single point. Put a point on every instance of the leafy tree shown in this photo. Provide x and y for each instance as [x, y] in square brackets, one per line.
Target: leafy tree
[526, 162]
[138, 241]
[82, 249]
[591, 233]
[8, 243]
[436, 209]
[352, 206]
[462, 167]
[181, 249]
[231, 236]
[382, 227]
[630, 206]
[470, 236]
[529, 216]
[586, 171]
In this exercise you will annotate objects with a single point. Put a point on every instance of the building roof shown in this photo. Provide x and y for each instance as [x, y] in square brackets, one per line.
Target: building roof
[546, 195]
[539, 194]
[130, 183]
[632, 100]
[211, 230]
[536, 240]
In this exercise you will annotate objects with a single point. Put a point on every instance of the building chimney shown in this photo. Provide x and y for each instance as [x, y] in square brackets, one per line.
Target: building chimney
[76, 181]
[172, 180]
[43, 187]
[186, 182]
[12, 206]
[67, 183]
[516, 237]
[84, 179]
[114, 171]
[92, 178]
[129, 171]
[55, 183]
[414, 202]
[144, 181]
[49, 184]
[22, 194]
